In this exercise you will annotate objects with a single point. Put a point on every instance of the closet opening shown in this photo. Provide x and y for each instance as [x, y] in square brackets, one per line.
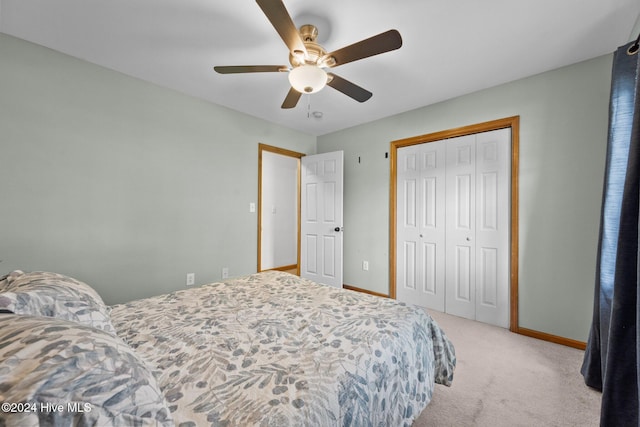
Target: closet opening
[454, 221]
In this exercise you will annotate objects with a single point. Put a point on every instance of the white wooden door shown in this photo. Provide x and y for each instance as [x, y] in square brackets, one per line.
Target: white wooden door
[321, 218]
[493, 199]
[420, 235]
[453, 225]
[461, 213]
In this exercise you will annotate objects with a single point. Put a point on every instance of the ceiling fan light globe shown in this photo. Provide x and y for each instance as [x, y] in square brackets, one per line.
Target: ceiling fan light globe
[308, 78]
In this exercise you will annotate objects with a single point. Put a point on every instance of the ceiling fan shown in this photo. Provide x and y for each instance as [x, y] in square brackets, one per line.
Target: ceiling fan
[309, 61]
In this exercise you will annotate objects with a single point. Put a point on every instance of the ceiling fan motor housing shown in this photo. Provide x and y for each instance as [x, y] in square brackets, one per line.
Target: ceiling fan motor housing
[316, 54]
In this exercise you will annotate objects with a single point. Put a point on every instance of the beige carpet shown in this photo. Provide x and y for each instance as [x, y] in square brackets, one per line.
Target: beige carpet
[505, 379]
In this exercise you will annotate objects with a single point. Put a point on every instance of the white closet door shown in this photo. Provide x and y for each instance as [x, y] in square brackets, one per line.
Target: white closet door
[493, 176]
[461, 228]
[420, 235]
[453, 225]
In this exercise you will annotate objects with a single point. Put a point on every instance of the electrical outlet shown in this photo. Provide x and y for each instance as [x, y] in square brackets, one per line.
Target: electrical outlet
[225, 272]
[191, 279]
[365, 265]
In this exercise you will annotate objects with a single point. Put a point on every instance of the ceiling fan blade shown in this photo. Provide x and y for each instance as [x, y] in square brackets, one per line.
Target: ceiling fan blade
[281, 20]
[383, 42]
[292, 99]
[232, 69]
[348, 88]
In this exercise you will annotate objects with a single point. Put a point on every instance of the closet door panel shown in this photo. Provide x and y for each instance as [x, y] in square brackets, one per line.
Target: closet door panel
[407, 230]
[493, 165]
[460, 228]
[430, 269]
[420, 235]
[409, 267]
[487, 277]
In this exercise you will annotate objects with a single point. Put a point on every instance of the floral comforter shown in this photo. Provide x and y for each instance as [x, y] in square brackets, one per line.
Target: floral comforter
[272, 349]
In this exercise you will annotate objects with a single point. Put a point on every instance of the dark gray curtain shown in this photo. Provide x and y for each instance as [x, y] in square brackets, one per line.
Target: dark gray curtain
[611, 359]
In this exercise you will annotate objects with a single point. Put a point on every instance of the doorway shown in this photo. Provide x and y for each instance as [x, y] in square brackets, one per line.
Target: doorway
[278, 209]
[300, 195]
[512, 124]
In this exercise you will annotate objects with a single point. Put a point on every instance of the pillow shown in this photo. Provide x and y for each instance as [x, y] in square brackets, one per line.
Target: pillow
[54, 295]
[13, 276]
[8, 278]
[56, 372]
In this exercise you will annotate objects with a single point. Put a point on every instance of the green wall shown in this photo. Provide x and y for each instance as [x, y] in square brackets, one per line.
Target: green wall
[563, 130]
[121, 183]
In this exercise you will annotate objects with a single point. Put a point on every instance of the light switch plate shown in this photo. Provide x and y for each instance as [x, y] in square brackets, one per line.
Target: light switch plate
[191, 279]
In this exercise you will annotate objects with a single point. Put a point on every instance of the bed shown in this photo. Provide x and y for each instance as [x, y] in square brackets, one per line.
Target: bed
[267, 349]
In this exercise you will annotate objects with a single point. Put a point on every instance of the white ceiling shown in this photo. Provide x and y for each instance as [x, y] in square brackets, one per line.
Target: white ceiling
[450, 47]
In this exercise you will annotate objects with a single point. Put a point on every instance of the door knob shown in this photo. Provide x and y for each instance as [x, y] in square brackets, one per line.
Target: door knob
[337, 229]
[468, 239]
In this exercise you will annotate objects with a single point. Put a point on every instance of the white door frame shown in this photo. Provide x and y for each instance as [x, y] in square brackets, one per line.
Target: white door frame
[509, 122]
